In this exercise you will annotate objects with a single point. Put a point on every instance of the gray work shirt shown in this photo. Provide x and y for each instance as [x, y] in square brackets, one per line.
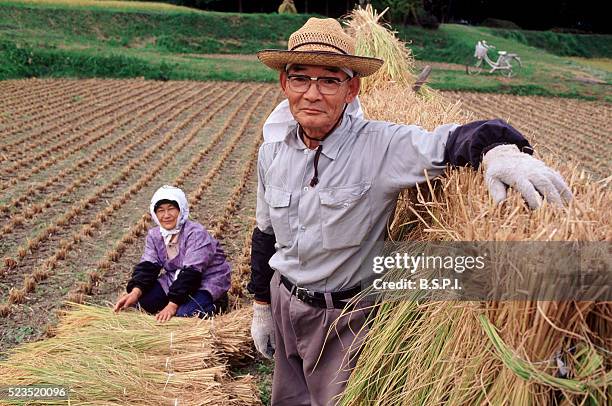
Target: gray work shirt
[324, 233]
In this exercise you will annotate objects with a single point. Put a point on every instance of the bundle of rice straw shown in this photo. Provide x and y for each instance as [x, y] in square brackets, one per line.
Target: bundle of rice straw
[374, 40]
[463, 353]
[499, 353]
[129, 358]
[287, 7]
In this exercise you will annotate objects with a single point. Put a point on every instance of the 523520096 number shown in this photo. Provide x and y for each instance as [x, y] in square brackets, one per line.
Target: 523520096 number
[33, 392]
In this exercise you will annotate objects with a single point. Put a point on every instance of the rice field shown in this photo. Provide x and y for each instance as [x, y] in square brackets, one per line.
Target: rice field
[81, 158]
[567, 129]
[79, 163]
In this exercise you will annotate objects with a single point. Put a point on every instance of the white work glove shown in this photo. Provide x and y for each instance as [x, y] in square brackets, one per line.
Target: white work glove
[506, 165]
[262, 329]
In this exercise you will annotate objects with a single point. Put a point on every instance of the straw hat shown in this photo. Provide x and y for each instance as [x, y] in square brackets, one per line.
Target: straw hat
[320, 42]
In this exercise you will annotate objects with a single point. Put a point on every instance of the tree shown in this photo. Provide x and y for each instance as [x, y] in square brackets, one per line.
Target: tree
[407, 12]
[400, 11]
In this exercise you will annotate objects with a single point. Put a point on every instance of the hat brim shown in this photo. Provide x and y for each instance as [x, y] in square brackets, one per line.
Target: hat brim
[278, 59]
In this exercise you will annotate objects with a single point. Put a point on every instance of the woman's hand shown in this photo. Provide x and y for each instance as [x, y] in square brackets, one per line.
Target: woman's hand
[167, 312]
[127, 300]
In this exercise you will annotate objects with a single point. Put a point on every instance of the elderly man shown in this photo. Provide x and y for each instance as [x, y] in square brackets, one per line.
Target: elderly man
[324, 196]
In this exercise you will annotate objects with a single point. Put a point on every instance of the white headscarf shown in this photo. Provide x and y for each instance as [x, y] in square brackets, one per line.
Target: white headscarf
[175, 194]
[278, 122]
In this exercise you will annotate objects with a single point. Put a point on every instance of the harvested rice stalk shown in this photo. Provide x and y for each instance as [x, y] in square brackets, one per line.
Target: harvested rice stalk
[375, 40]
[528, 371]
[442, 352]
[128, 358]
[409, 108]
[412, 109]
[241, 390]
[439, 352]
[287, 7]
[232, 330]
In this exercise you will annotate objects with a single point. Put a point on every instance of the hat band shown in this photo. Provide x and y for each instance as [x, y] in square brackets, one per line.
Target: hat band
[318, 43]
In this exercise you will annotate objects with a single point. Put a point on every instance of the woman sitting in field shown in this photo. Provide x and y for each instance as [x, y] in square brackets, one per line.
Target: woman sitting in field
[196, 277]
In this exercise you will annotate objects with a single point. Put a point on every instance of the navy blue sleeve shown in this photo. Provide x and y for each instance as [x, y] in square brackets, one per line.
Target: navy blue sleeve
[468, 143]
[144, 276]
[262, 249]
[187, 283]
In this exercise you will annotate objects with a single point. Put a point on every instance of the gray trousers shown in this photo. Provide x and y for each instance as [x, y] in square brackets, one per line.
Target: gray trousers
[311, 366]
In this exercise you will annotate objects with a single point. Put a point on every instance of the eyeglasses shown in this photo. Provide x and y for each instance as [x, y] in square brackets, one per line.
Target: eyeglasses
[326, 85]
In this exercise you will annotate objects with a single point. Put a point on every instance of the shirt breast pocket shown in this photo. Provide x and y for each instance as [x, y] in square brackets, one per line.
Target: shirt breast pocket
[278, 201]
[345, 212]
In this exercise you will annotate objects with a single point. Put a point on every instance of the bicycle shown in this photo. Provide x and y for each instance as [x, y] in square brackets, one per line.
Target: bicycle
[506, 64]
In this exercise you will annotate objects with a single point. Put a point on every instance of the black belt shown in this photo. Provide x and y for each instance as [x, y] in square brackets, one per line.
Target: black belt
[317, 298]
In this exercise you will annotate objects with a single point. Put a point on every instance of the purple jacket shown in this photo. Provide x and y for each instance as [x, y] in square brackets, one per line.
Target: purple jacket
[198, 250]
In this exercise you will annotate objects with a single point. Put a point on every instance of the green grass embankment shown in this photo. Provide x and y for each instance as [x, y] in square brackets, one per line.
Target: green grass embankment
[174, 30]
[543, 73]
[451, 42]
[562, 44]
[127, 39]
[85, 38]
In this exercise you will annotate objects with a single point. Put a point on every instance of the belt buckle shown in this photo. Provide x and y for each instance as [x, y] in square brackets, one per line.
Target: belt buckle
[301, 293]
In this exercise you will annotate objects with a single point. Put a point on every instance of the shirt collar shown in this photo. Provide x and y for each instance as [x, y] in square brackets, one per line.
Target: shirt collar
[292, 140]
[331, 145]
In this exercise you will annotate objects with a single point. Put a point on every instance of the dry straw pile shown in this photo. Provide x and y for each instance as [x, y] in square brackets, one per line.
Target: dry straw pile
[374, 40]
[467, 353]
[129, 358]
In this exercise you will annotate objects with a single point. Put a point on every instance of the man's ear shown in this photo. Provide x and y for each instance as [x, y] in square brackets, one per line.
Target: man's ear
[353, 85]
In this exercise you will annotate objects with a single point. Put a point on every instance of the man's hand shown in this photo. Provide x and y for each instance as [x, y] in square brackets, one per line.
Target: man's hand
[167, 312]
[127, 300]
[262, 329]
[506, 165]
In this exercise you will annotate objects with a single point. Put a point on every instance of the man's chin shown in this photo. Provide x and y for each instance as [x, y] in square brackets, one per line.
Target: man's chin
[311, 121]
